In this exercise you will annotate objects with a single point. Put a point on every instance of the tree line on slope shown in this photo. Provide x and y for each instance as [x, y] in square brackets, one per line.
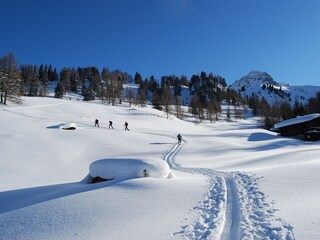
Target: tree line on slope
[273, 113]
[205, 91]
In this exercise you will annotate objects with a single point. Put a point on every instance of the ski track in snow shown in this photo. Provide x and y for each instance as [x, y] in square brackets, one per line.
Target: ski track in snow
[258, 216]
[28, 107]
[219, 210]
[16, 110]
[234, 208]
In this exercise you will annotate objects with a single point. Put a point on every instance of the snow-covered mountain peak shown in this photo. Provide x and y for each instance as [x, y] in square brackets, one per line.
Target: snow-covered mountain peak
[255, 78]
[261, 84]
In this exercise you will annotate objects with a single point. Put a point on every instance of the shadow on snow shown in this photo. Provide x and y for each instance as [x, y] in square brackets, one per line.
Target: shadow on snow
[20, 198]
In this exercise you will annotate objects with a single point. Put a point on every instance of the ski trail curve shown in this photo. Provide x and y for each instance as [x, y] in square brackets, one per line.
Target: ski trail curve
[220, 208]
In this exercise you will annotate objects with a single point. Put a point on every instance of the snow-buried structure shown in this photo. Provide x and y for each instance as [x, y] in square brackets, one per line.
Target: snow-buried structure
[68, 126]
[121, 169]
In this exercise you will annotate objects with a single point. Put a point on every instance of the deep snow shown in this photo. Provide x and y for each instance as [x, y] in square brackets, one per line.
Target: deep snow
[222, 172]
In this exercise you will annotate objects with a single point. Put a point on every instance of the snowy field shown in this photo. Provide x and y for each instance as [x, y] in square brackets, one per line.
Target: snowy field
[227, 180]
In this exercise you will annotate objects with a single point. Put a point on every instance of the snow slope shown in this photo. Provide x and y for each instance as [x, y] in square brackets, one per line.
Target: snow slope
[230, 180]
[43, 167]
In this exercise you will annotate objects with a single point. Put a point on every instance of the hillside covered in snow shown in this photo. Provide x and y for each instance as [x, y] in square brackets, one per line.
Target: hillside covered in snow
[227, 180]
[263, 85]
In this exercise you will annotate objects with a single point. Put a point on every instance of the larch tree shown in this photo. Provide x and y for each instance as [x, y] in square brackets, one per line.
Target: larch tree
[130, 96]
[105, 78]
[178, 107]
[213, 109]
[166, 99]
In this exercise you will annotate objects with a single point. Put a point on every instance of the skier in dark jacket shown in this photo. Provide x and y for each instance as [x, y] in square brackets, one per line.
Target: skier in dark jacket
[126, 126]
[96, 123]
[110, 124]
[179, 138]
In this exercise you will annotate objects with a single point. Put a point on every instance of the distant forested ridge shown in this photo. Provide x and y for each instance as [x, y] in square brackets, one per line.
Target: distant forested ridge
[202, 93]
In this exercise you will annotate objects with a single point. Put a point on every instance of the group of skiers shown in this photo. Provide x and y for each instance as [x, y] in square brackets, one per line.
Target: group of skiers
[96, 124]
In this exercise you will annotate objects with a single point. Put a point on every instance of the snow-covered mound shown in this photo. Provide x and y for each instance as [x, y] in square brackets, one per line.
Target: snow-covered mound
[68, 126]
[122, 169]
[261, 84]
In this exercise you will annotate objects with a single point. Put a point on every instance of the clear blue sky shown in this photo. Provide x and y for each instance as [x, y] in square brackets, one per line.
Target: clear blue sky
[226, 37]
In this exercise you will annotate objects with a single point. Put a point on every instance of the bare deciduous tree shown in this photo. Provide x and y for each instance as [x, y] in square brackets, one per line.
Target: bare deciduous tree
[178, 108]
[166, 99]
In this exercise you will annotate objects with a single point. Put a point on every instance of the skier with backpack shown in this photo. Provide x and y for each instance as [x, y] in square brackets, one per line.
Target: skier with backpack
[110, 124]
[126, 126]
[179, 139]
[96, 123]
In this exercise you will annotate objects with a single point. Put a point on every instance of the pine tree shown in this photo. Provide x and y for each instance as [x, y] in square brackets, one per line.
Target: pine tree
[176, 86]
[93, 76]
[65, 78]
[50, 73]
[137, 78]
[143, 90]
[298, 109]
[55, 76]
[285, 111]
[194, 84]
[27, 76]
[184, 81]
[10, 82]
[253, 104]
[314, 104]
[89, 95]
[193, 106]
[60, 90]
[156, 100]
[74, 80]
[142, 97]
[152, 84]
[34, 83]
[105, 75]
[119, 86]
[43, 80]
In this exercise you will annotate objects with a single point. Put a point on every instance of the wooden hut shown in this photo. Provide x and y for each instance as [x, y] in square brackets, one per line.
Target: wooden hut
[299, 125]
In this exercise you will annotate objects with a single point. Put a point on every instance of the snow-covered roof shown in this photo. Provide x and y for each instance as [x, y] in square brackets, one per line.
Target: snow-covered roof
[299, 119]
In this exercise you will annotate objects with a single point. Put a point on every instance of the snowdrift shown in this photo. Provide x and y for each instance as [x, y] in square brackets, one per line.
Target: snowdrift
[124, 169]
